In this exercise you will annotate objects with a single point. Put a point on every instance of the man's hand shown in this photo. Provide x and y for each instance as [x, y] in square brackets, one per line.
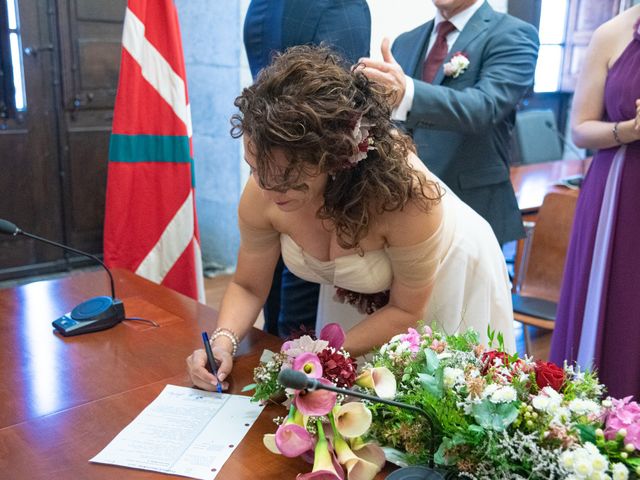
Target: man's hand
[387, 72]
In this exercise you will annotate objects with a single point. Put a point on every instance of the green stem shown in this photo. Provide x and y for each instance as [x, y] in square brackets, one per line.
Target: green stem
[321, 437]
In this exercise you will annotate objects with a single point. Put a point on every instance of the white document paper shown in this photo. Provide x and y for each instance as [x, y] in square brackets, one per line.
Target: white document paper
[185, 432]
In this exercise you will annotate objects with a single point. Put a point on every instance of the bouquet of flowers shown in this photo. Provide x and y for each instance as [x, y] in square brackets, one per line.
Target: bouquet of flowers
[498, 416]
[321, 426]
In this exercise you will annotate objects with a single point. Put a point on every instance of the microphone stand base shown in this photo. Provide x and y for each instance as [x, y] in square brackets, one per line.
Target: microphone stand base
[93, 315]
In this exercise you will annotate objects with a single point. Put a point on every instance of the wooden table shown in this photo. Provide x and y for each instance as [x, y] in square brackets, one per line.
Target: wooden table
[532, 182]
[64, 399]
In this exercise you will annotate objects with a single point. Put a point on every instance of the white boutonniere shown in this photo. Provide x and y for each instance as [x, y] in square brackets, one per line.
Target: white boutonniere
[457, 65]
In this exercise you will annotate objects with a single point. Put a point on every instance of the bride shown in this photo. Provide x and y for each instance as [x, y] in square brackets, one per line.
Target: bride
[340, 192]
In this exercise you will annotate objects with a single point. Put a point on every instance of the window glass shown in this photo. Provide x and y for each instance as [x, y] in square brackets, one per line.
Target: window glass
[12, 64]
[548, 69]
[553, 18]
[553, 24]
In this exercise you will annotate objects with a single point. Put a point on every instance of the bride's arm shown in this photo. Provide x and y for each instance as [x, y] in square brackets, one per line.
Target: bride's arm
[414, 235]
[247, 290]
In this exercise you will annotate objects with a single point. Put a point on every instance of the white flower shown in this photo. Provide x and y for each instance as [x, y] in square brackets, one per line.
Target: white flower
[597, 475]
[547, 400]
[304, 344]
[360, 133]
[541, 402]
[502, 394]
[582, 465]
[619, 472]
[581, 406]
[489, 390]
[599, 463]
[457, 65]
[566, 460]
[560, 414]
[591, 449]
[452, 377]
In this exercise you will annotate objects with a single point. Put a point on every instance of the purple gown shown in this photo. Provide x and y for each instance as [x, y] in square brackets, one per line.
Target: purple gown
[598, 321]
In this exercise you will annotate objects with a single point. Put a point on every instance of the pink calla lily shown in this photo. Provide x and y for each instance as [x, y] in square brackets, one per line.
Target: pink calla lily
[309, 364]
[292, 438]
[352, 419]
[334, 334]
[317, 402]
[379, 379]
[323, 465]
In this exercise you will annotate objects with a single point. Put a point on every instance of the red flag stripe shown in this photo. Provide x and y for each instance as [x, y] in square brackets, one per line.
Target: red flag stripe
[145, 112]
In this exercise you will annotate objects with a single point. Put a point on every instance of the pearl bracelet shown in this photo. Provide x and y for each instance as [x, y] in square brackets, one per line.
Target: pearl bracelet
[225, 332]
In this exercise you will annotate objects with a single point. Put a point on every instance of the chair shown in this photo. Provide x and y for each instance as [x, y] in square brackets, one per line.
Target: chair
[537, 136]
[539, 276]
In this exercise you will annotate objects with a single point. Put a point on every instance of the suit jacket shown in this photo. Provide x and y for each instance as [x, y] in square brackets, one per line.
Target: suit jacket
[275, 25]
[462, 126]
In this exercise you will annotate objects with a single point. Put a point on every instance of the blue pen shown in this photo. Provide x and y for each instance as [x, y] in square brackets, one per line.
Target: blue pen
[212, 362]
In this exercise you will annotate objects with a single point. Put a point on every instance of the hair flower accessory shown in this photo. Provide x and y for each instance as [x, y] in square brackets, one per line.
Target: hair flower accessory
[364, 140]
[457, 65]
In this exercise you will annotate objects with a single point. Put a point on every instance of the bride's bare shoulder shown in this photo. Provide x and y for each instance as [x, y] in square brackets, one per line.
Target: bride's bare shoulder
[253, 210]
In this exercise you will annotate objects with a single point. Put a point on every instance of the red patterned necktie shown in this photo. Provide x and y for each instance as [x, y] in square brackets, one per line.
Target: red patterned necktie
[438, 51]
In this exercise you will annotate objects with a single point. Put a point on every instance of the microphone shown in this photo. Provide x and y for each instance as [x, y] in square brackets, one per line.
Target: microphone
[297, 380]
[95, 314]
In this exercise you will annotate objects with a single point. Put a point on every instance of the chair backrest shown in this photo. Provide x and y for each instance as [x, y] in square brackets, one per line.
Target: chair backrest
[544, 259]
[536, 136]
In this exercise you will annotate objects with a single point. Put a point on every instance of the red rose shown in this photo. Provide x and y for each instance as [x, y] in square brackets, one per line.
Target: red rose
[489, 360]
[549, 374]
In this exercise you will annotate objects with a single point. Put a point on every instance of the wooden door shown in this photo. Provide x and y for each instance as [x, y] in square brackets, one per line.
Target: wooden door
[30, 193]
[54, 154]
[90, 43]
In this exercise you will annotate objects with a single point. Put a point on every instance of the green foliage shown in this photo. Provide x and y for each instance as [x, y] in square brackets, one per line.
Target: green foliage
[587, 432]
[464, 342]
[582, 388]
[495, 416]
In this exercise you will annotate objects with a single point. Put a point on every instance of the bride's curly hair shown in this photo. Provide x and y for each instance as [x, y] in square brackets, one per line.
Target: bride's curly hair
[307, 103]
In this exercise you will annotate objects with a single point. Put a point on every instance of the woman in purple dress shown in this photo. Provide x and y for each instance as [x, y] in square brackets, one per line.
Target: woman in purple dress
[598, 321]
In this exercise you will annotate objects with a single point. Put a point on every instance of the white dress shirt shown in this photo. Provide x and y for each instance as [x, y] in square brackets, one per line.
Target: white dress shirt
[459, 21]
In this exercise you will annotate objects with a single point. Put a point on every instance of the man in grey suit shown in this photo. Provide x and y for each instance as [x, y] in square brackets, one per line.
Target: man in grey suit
[458, 79]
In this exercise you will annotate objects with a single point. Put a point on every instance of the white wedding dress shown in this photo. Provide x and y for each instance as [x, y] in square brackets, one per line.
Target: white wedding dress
[471, 286]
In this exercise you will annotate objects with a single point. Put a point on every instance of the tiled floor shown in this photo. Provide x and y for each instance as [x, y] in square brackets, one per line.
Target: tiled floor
[540, 340]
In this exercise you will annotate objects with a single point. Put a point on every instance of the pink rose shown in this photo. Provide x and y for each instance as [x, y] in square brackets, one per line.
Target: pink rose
[624, 414]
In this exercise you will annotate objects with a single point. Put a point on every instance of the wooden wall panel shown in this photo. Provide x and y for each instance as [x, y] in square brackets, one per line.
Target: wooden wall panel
[584, 17]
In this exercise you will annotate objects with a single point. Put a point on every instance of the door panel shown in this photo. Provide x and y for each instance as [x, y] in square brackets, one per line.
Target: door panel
[29, 173]
[90, 52]
[54, 156]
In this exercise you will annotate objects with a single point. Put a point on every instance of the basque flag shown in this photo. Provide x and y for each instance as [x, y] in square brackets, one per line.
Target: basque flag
[150, 220]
